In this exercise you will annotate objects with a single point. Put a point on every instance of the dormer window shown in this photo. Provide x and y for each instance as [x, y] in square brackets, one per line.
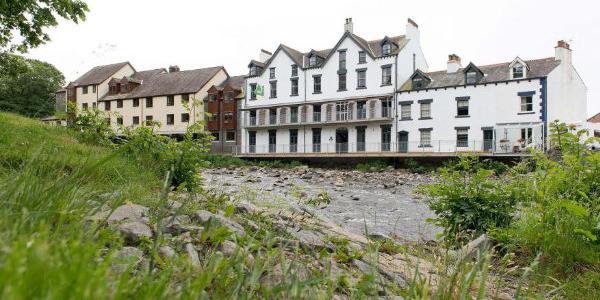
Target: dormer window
[517, 71]
[272, 73]
[253, 71]
[312, 61]
[471, 77]
[386, 49]
[417, 83]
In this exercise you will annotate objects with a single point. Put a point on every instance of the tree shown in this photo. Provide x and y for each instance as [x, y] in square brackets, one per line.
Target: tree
[28, 86]
[30, 18]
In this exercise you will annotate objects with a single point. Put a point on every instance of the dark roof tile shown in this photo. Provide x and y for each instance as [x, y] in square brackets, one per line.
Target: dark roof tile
[99, 74]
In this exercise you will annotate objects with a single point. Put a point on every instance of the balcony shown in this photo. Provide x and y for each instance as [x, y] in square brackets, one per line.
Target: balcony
[361, 113]
[272, 120]
[252, 121]
[386, 112]
[294, 118]
[317, 116]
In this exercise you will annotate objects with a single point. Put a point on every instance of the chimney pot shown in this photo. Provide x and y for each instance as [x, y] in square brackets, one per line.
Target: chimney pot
[349, 26]
[453, 63]
[563, 44]
[173, 68]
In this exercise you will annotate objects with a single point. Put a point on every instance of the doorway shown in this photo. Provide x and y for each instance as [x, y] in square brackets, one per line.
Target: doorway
[402, 141]
[341, 140]
[488, 140]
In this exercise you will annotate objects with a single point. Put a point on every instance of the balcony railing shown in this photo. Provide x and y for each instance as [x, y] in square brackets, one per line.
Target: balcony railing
[252, 121]
[272, 120]
[293, 118]
[317, 116]
[361, 114]
[386, 112]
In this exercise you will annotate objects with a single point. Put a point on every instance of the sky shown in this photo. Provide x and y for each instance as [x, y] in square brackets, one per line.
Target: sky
[195, 34]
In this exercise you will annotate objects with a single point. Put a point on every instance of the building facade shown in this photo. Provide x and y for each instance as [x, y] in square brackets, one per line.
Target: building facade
[333, 100]
[223, 105]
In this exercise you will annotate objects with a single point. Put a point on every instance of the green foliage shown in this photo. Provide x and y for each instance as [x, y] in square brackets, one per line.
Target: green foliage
[27, 86]
[469, 203]
[371, 166]
[224, 161]
[414, 166]
[29, 19]
[92, 126]
[321, 200]
[278, 164]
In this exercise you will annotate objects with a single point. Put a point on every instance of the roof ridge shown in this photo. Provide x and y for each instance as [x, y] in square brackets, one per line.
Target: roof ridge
[495, 65]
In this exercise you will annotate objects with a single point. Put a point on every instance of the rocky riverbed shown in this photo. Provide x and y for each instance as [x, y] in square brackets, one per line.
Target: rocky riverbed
[384, 202]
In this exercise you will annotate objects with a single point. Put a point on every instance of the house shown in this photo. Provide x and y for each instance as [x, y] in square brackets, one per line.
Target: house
[223, 105]
[498, 108]
[339, 99]
[90, 87]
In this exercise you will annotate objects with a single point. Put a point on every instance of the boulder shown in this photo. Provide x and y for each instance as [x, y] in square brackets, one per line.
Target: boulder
[174, 225]
[472, 249]
[245, 207]
[127, 257]
[204, 217]
[228, 248]
[134, 231]
[192, 254]
[166, 251]
[129, 212]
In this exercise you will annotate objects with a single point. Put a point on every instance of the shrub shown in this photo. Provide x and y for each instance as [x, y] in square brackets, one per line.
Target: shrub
[371, 166]
[414, 166]
[92, 127]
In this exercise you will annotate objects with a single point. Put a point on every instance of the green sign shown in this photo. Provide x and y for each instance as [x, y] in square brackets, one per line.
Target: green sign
[260, 90]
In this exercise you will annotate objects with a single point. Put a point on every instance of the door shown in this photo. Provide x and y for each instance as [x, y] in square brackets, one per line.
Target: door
[360, 138]
[488, 140]
[341, 140]
[251, 141]
[386, 137]
[403, 141]
[272, 140]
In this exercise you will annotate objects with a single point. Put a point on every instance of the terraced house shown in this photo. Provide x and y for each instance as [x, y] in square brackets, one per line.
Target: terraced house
[223, 105]
[333, 100]
[134, 98]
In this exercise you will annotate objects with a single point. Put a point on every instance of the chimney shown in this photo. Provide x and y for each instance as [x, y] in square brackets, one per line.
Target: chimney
[173, 68]
[264, 55]
[412, 30]
[562, 52]
[453, 63]
[348, 26]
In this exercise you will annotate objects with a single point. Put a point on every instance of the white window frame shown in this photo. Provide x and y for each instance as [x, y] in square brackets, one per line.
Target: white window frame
[425, 138]
[405, 111]
[425, 110]
[524, 103]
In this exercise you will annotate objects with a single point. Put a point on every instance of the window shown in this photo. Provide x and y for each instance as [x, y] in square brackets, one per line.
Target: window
[341, 111]
[253, 91]
[294, 70]
[517, 71]
[149, 118]
[316, 139]
[272, 116]
[84, 89]
[228, 117]
[462, 107]
[386, 75]
[272, 140]
[386, 137]
[361, 138]
[361, 110]
[94, 105]
[252, 141]
[462, 137]
[149, 102]
[317, 84]
[526, 136]
[170, 119]
[135, 120]
[212, 97]
[107, 121]
[386, 108]
[312, 61]
[84, 106]
[386, 49]
[471, 77]
[362, 57]
[119, 121]
[417, 83]
[228, 96]
[405, 113]
[215, 136]
[341, 82]
[170, 100]
[293, 140]
[425, 110]
[136, 102]
[317, 113]
[185, 98]
[526, 103]
[342, 58]
[123, 88]
[252, 117]
[185, 117]
[230, 136]
[273, 89]
[425, 138]
[272, 73]
[253, 70]
[107, 105]
[119, 103]
[361, 78]
[93, 89]
[294, 86]
[294, 114]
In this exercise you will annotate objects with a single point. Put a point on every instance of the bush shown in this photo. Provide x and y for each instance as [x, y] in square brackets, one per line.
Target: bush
[371, 166]
[414, 166]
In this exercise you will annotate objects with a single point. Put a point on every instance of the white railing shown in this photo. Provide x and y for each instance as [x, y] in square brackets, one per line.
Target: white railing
[437, 146]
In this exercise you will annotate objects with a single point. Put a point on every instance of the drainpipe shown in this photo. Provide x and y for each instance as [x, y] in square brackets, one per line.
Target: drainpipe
[396, 100]
[304, 125]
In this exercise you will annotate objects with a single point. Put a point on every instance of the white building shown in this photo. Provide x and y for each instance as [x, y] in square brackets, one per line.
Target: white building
[499, 108]
[334, 100]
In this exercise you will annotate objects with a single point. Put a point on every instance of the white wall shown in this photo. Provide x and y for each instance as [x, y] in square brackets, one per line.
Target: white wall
[567, 95]
[101, 89]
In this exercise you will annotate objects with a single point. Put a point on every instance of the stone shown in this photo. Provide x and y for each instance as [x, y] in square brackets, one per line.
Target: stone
[245, 207]
[174, 205]
[166, 252]
[355, 198]
[204, 217]
[339, 182]
[378, 236]
[129, 212]
[472, 249]
[174, 225]
[134, 231]
[308, 238]
[192, 254]
[127, 257]
[228, 248]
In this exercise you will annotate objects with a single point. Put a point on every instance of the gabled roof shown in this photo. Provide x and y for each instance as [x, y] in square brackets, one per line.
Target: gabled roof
[256, 63]
[173, 83]
[492, 73]
[594, 119]
[99, 74]
[234, 82]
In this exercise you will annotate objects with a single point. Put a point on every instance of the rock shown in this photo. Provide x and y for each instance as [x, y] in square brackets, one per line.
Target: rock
[174, 225]
[472, 249]
[355, 198]
[378, 236]
[228, 248]
[245, 207]
[204, 217]
[339, 182]
[129, 212]
[126, 257]
[253, 169]
[174, 205]
[134, 231]
[308, 238]
[166, 251]
[192, 254]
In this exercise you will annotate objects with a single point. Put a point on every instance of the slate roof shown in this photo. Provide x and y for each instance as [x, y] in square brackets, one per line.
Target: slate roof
[236, 82]
[99, 74]
[492, 73]
[174, 83]
[594, 119]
